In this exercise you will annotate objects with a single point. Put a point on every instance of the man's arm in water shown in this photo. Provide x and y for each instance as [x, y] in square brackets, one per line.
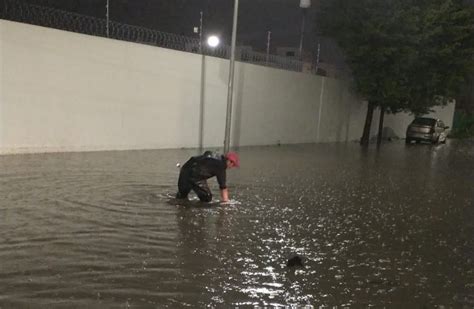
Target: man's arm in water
[224, 195]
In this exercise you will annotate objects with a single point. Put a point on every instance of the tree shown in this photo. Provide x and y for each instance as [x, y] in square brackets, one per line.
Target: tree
[405, 55]
[445, 52]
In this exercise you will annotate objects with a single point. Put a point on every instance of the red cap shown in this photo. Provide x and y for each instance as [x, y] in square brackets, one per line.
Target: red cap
[233, 157]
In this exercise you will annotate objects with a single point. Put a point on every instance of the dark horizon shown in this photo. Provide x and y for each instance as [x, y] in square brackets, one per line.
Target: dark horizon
[256, 17]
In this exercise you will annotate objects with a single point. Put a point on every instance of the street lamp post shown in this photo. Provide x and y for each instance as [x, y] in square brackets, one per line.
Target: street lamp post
[231, 79]
[304, 5]
[212, 42]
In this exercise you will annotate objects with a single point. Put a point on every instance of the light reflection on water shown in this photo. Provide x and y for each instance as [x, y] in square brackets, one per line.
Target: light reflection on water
[386, 228]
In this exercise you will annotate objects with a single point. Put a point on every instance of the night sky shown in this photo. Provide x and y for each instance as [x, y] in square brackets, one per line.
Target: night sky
[256, 17]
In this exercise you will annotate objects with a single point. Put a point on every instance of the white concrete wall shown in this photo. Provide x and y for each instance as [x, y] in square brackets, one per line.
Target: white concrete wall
[62, 91]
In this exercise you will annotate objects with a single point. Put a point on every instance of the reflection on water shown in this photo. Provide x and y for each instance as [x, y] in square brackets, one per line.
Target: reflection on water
[389, 227]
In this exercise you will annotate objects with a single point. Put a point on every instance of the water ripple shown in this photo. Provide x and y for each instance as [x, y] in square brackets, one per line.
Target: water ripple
[389, 227]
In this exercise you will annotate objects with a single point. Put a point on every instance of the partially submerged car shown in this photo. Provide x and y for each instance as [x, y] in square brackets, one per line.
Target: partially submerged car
[424, 129]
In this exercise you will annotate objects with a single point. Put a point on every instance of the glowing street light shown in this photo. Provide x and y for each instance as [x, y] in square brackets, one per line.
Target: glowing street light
[213, 41]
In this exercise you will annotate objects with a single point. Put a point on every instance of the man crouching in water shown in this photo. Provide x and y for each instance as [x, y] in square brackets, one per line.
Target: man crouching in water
[196, 171]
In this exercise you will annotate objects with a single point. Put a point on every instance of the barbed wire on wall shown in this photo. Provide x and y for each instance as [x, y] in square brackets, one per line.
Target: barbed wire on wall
[19, 11]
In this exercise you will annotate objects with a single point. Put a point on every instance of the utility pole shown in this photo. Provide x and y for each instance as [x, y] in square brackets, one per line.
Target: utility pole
[230, 90]
[203, 87]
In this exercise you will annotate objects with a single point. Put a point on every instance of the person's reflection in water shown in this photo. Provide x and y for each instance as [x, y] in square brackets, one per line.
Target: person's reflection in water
[202, 233]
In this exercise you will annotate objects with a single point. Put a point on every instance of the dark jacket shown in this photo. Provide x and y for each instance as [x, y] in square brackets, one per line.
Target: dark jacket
[205, 166]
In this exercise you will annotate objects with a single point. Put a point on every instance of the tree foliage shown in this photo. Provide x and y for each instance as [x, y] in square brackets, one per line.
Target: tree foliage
[404, 54]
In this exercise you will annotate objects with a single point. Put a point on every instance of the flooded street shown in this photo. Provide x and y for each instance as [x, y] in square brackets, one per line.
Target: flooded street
[392, 227]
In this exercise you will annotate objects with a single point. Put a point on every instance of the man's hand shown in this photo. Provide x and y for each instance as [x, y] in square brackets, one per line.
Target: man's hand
[224, 195]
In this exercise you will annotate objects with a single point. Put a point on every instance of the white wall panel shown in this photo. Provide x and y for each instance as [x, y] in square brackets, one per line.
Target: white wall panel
[63, 91]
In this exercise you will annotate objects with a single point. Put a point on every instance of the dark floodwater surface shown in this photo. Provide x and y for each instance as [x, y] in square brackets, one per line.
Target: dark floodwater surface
[392, 227]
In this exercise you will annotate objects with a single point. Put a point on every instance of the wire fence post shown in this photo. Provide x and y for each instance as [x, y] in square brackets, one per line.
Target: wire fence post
[269, 37]
[108, 16]
[317, 58]
[200, 32]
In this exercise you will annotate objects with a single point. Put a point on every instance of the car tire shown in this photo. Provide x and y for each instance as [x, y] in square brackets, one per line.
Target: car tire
[407, 141]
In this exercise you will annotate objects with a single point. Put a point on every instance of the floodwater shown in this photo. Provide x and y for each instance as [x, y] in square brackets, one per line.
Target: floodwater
[388, 228]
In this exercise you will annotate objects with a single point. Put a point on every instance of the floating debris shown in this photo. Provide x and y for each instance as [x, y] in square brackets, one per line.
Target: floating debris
[295, 261]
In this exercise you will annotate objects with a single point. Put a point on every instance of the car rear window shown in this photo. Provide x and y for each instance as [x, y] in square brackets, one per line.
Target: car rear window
[424, 121]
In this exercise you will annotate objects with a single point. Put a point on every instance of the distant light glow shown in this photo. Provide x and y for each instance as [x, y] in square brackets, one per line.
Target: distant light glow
[213, 41]
[304, 4]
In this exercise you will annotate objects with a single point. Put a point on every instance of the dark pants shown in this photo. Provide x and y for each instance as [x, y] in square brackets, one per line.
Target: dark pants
[186, 184]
